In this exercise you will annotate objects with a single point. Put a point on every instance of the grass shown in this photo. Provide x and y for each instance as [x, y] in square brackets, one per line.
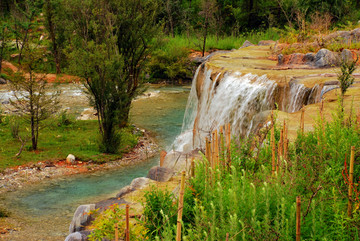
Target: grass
[222, 43]
[56, 141]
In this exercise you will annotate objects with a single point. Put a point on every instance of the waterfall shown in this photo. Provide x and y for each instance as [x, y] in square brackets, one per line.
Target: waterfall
[235, 98]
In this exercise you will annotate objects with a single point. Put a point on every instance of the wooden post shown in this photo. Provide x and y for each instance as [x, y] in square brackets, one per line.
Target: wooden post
[286, 146]
[127, 231]
[208, 150]
[216, 147]
[298, 218]
[302, 120]
[162, 157]
[116, 232]
[222, 145]
[273, 149]
[192, 168]
[351, 180]
[181, 205]
[228, 144]
[213, 147]
[227, 236]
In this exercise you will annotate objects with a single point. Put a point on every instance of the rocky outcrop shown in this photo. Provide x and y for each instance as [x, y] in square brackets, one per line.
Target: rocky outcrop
[137, 183]
[81, 218]
[3, 81]
[247, 43]
[78, 236]
[325, 58]
[160, 174]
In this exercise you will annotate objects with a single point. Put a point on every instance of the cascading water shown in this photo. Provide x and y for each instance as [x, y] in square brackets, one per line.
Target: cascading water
[236, 99]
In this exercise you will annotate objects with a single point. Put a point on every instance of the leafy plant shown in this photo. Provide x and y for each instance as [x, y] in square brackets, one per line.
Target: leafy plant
[159, 210]
[103, 227]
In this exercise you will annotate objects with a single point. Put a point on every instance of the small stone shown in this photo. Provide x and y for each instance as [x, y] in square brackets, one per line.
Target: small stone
[70, 159]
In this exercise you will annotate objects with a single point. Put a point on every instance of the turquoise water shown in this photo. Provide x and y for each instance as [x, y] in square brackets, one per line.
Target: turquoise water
[53, 203]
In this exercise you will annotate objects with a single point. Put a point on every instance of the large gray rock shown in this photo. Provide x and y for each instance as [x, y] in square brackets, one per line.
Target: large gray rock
[325, 58]
[309, 58]
[346, 56]
[137, 183]
[78, 236]
[105, 204]
[3, 81]
[81, 218]
[247, 43]
[160, 174]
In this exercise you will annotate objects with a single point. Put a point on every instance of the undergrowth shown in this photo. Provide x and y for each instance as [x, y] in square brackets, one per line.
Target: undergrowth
[248, 202]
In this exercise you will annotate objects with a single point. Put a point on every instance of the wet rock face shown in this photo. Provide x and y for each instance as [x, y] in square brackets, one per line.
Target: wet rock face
[81, 218]
[160, 174]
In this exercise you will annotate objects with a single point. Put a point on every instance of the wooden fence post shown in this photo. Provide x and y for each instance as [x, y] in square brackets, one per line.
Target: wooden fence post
[273, 149]
[302, 124]
[228, 144]
[116, 232]
[192, 168]
[298, 218]
[162, 157]
[127, 231]
[351, 180]
[181, 205]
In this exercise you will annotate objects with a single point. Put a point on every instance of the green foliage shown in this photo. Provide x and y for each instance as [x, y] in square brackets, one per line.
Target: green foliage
[170, 62]
[250, 203]
[103, 227]
[345, 77]
[56, 142]
[109, 56]
[159, 211]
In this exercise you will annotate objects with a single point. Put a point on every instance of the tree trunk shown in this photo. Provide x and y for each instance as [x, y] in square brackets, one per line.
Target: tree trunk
[205, 35]
[52, 36]
[171, 23]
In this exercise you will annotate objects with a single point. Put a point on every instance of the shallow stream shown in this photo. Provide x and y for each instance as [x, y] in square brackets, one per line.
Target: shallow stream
[44, 211]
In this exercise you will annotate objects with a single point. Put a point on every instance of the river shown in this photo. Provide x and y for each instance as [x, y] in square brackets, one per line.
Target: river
[44, 211]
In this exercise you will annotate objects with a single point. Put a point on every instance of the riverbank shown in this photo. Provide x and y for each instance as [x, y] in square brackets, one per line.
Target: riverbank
[18, 177]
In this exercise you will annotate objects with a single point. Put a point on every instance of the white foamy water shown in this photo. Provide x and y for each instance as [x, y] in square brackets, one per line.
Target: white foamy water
[237, 99]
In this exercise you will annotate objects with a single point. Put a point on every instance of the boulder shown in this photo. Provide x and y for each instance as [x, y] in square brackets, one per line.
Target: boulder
[309, 58]
[70, 159]
[346, 56]
[78, 236]
[137, 183]
[266, 42]
[160, 174]
[247, 43]
[105, 204]
[3, 81]
[81, 218]
[325, 58]
[280, 59]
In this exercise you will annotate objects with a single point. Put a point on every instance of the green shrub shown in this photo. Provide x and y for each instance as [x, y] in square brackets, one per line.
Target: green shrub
[159, 212]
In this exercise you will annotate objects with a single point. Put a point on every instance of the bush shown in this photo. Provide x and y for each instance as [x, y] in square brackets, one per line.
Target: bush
[103, 227]
[159, 211]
